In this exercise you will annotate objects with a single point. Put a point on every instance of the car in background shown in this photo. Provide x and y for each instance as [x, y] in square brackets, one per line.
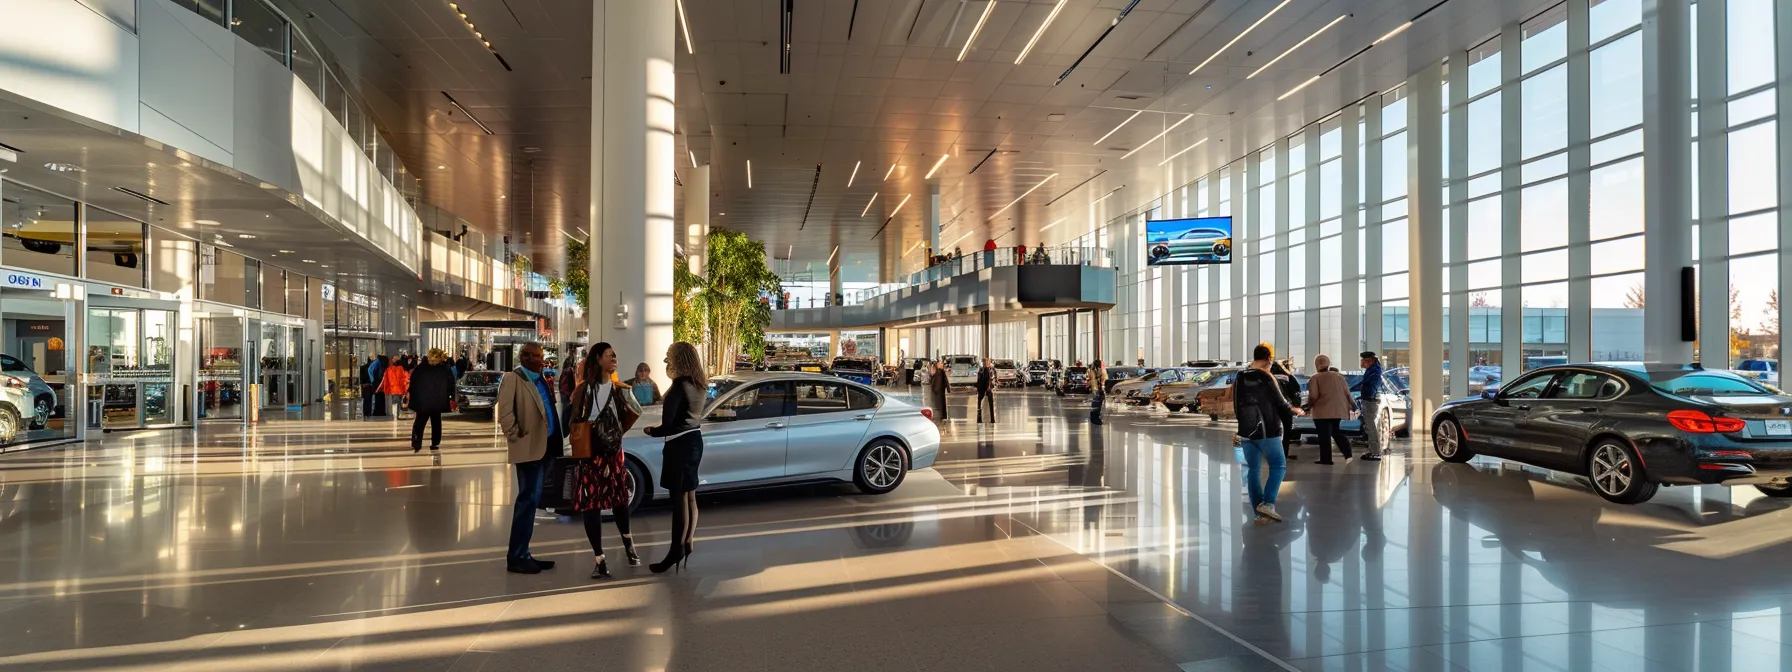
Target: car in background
[1395, 409]
[1076, 381]
[1120, 373]
[1039, 372]
[774, 429]
[1008, 375]
[15, 401]
[917, 371]
[1205, 364]
[1629, 428]
[1139, 390]
[1197, 244]
[44, 404]
[1215, 399]
[477, 391]
[1764, 370]
[1186, 392]
[856, 369]
[961, 370]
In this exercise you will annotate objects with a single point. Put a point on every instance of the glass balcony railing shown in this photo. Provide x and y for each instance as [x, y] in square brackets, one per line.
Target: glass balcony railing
[971, 263]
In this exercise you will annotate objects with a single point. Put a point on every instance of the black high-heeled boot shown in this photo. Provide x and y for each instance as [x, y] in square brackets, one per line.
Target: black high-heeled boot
[602, 571]
[628, 547]
[674, 555]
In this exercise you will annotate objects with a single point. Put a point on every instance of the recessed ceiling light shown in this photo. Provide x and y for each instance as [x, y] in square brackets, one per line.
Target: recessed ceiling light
[749, 173]
[441, 167]
[308, 261]
[868, 204]
[1172, 157]
[63, 167]
[936, 166]
[976, 29]
[206, 222]
[1048, 22]
[891, 170]
[1023, 194]
[855, 174]
[904, 202]
[502, 197]
[245, 236]
[286, 251]
[684, 26]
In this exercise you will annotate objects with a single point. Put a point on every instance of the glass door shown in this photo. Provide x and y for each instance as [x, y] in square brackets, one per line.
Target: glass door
[114, 358]
[274, 370]
[220, 367]
[158, 367]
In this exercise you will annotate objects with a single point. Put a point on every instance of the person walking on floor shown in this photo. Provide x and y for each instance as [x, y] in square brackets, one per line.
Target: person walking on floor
[647, 392]
[393, 382]
[1098, 391]
[1328, 400]
[1262, 411]
[431, 393]
[532, 432]
[1290, 389]
[603, 483]
[1369, 399]
[681, 426]
[986, 390]
[370, 387]
[936, 391]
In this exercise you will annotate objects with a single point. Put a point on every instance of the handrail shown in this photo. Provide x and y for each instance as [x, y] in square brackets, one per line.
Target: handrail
[973, 262]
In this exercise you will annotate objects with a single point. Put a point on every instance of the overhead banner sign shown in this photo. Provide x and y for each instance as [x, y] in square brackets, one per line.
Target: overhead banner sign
[19, 280]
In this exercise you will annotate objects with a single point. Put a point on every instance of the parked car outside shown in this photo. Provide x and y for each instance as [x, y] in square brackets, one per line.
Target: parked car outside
[1629, 428]
[1764, 370]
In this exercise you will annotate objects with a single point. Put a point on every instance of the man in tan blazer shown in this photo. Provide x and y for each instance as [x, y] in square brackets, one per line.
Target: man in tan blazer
[527, 414]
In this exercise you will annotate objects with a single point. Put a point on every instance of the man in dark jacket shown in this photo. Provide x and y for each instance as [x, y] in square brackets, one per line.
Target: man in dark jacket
[986, 390]
[1262, 412]
[431, 392]
[368, 383]
[1290, 391]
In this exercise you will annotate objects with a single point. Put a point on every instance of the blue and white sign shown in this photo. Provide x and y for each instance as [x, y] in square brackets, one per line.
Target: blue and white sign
[17, 280]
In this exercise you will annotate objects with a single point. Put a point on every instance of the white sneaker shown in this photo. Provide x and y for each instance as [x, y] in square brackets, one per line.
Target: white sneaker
[1268, 511]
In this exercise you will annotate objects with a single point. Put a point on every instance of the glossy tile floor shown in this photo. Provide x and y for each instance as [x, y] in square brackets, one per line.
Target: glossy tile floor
[1033, 545]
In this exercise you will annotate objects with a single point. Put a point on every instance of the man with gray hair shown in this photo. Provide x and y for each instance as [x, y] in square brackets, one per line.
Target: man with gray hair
[531, 424]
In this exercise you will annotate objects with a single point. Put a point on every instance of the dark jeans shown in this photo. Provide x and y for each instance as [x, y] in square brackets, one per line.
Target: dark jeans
[367, 396]
[1097, 400]
[529, 476]
[1328, 433]
[986, 398]
[435, 429]
[379, 403]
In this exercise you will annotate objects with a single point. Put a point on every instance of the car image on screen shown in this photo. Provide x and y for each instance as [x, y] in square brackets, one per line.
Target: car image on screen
[1204, 240]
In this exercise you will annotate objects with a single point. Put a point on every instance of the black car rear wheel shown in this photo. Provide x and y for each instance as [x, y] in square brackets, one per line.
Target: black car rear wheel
[1447, 441]
[1771, 491]
[1617, 474]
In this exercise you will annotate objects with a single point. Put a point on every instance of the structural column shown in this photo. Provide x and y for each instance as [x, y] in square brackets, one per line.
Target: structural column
[1373, 193]
[1667, 170]
[696, 218]
[632, 193]
[1456, 348]
[1511, 200]
[1350, 325]
[1712, 175]
[1424, 160]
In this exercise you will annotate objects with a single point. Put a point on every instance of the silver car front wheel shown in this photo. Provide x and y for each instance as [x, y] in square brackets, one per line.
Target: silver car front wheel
[881, 467]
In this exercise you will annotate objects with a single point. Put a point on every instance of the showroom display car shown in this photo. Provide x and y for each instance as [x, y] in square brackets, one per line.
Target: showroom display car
[1008, 374]
[1075, 381]
[1629, 428]
[477, 391]
[1187, 393]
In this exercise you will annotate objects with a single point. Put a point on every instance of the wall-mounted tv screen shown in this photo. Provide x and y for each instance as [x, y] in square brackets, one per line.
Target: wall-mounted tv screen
[1197, 240]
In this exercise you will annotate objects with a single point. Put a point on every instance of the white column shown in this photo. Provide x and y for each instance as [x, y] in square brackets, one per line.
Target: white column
[1580, 187]
[632, 194]
[1242, 230]
[1350, 324]
[1212, 275]
[1424, 161]
[1667, 170]
[696, 217]
[1280, 338]
[1372, 193]
[1783, 33]
[1456, 352]
[1712, 175]
[1511, 191]
[1246, 290]
[1315, 332]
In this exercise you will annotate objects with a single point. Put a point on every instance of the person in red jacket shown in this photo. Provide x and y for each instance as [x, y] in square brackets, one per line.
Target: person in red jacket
[394, 383]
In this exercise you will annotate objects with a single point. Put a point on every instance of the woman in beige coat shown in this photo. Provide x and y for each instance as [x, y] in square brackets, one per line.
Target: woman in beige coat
[1329, 402]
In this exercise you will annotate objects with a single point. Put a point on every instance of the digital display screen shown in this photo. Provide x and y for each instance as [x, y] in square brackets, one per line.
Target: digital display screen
[1197, 240]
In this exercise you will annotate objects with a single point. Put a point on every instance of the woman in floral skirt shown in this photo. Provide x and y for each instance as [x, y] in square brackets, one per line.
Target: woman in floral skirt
[603, 483]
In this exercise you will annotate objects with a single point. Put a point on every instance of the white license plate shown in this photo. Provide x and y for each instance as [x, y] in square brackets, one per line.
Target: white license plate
[1779, 427]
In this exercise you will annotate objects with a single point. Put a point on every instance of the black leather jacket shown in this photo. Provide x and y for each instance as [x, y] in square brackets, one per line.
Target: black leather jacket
[683, 408]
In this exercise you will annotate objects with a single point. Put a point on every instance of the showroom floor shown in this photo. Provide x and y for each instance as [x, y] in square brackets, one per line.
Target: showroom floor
[1033, 545]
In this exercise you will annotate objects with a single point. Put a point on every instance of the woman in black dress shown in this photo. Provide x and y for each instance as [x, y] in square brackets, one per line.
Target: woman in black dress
[681, 425]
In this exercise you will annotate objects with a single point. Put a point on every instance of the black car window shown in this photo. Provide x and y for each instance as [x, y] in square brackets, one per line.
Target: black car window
[1529, 388]
[757, 403]
[813, 398]
[10, 363]
[1584, 385]
[859, 399]
[1706, 383]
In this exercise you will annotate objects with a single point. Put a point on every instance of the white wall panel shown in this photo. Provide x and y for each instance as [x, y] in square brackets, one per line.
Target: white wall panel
[185, 80]
[264, 118]
[61, 53]
[159, 127]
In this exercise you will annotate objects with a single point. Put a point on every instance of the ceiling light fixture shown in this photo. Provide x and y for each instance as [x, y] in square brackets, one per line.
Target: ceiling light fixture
[1105, 196]
[693, 157]
[967, 234]
[1391, 33]
[464, 19]
[206, 222]
[868, 204]
[888, 172]
[1172, 157]
[307, 261]
[904, 202]
[1048, 21]
[855, 174]
[1023, 194]
[286, 251]
[246, 236]
[684, 26]
[912, 248]
[1156, 137]
[1240, 36]
[1048, 227]
[749, 173]
[1297, 45]
[937, 164]
[1104, 35]
[1385, 37]
[1297, 89]
[63, 167]
[976, 29]
[831, 255]
[1135, 115]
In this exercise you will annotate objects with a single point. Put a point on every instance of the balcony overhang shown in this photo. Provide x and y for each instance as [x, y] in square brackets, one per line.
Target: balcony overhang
[1005, 291]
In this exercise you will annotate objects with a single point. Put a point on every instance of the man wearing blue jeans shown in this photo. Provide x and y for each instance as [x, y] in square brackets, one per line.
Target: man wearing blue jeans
[1262, 412]
[531, 427]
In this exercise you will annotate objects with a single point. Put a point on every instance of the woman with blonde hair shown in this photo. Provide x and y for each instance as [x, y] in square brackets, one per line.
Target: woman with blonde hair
[681, 427]
[431, 390]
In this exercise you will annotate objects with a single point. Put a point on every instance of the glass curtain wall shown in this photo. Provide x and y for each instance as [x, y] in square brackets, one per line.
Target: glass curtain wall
[1542, 226]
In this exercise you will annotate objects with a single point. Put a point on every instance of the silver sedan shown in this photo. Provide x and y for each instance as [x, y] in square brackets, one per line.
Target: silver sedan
[763, 429]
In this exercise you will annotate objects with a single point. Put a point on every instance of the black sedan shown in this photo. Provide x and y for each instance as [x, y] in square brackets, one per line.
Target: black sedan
[1076, 381]
[1629, 428]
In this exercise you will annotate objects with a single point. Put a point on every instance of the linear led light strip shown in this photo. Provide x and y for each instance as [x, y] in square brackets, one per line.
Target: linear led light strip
[1048, 22]
[1297, 45]
[1010, 204]
[1390, 35]
[831, 255]
[967, 234]
[749, 173]
[1135, 115]
[1105, 196]
[684, 26]
[855, 174]
[1048, 227]
[1155, 138]
[937, 164]
[693, 157]
[868, 204]
[976, 29]
[1172, 157]
[1240, 36]
[912, 248]
[904, 202]
[891, 170]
